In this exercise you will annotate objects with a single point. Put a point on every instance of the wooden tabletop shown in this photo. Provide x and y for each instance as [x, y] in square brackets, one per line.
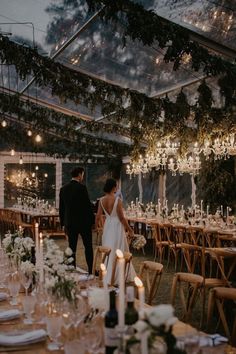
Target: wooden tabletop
[17, 325]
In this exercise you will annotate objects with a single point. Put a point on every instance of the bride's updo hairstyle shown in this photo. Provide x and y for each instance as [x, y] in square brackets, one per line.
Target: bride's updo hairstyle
[109, 185]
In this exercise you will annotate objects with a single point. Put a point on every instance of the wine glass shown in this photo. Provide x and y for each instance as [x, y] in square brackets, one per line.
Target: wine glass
[26, 280]
[28, 302]
[54, 323]
[14, 287]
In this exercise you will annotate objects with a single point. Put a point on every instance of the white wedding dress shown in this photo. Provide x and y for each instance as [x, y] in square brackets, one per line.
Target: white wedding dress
[114, 237]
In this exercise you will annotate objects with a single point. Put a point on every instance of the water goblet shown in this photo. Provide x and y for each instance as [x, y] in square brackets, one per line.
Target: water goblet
[54, 324]
[26, 280]
[14, 287]
[28, 302]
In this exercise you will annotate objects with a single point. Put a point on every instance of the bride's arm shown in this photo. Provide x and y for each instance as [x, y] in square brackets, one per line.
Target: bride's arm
[123, 219]
[98, 216]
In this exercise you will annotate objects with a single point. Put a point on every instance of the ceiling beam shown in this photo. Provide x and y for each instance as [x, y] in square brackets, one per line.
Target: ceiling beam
[66, 44]
[46, 104]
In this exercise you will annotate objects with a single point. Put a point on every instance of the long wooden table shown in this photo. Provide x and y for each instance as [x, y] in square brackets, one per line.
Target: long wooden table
[179, 329]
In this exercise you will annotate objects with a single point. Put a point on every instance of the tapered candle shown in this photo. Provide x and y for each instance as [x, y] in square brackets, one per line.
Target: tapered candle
[221, 210]
[201, 208]
[141, 294]
[36, 233]
[207, 211]
[104, 273]
[121, 267]
[41, 263]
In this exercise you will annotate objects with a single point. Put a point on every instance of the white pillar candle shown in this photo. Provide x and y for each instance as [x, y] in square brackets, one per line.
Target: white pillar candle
[207, 211]
[141, 294]
[41, 263]
[201, 208]
[121, 269]
[221, 210]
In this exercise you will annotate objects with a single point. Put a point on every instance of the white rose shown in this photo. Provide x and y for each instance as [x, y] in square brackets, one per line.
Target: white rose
[68, 252]
[141, 326]
[159, 315]
[70, 260]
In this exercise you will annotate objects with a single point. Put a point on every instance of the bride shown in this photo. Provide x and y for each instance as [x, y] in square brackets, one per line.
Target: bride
[114, 235]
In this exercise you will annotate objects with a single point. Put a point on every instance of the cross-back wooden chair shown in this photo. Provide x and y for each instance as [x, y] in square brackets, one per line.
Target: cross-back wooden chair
[189, 287]
[128, 258]
[101, 255]
[191, 248]
[160, 241]
[150, 273]
[218, 296]
[175, 239]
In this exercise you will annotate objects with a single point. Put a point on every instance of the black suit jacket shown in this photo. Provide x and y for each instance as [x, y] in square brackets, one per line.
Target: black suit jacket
[75, 209]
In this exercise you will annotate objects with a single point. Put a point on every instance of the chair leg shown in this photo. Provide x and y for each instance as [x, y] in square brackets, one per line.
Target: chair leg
[222, 317]
[173, 290]
[211, 303]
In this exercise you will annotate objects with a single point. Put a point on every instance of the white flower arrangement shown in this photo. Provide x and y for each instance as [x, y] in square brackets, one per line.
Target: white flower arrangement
[138, 241]
[27, 268]
[18, 246]
[156, 324]
[98, 298]
[57, 264]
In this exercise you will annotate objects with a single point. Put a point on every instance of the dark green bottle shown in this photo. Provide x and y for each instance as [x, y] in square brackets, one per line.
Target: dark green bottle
[131, 314]
[111, 321]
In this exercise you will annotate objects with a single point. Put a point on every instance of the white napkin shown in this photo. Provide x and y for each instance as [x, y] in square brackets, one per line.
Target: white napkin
[23, 339]
[9, 314]
[3, 296]
[211, 340]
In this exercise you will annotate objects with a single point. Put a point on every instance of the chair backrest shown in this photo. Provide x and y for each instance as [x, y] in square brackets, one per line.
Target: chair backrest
[128, 258]
[150, 273]
[101, 255]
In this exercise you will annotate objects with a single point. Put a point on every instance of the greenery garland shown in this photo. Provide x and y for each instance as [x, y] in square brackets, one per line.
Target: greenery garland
[143, 117]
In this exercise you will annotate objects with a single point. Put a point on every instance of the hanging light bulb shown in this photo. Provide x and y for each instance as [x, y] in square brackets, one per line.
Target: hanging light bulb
[12, 152]
[33, 174]
[45, 175]
[21, 160]
[36, 167]
[38, 138]
[4, 123]
[29, 133]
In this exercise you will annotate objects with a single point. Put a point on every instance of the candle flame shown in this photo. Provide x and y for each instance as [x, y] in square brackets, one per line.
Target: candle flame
[40, 235]
[119, 254]
[36, 225]
[102, 267]
[138, 282]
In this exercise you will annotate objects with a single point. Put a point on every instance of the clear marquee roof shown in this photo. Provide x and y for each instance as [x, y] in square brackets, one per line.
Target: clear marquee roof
[98, 50]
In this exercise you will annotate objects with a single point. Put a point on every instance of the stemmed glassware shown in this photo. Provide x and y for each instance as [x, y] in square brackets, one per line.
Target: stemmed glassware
[28, 302]
[14, 287]
[54, 324]
[26, 280]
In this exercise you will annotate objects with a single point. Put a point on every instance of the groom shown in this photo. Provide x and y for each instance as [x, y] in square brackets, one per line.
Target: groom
[76, 214]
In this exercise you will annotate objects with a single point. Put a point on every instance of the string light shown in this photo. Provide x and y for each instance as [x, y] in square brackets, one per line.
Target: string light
[45, 175]
[36, 167]
[21, 160]
[29, 133]
[38, 138]
[12, 152]
[4, 123]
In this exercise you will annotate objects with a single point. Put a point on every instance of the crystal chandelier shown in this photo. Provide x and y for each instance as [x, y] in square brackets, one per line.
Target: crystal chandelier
[191, 165]
[231, 145]
[137, 167]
